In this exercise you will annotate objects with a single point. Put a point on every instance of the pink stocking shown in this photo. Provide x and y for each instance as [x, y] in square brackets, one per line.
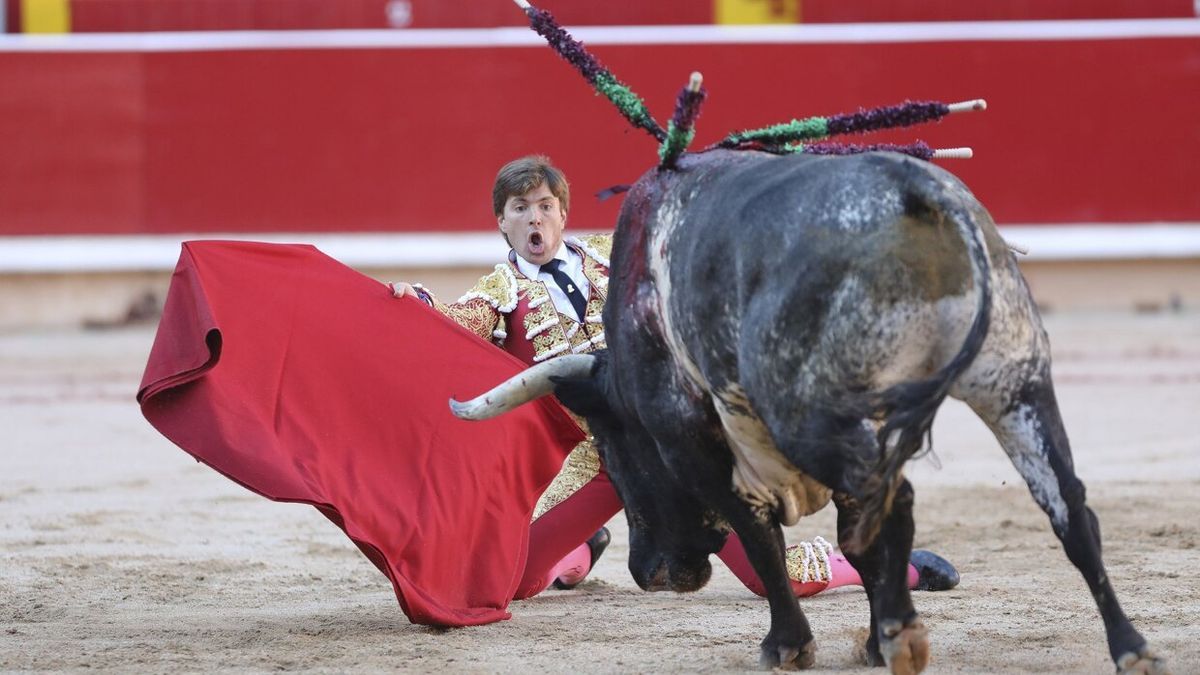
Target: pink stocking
[572, 568]
[560, 530]
[843, 573]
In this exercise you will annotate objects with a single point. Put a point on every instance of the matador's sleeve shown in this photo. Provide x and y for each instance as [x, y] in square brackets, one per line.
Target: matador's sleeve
[481, 310]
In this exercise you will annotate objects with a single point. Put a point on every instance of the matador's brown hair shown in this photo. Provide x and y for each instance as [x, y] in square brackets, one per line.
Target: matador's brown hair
[522, 175]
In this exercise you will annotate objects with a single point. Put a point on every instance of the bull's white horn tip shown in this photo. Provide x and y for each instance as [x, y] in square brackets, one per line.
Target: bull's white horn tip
[461, 410]
[968, 106]
[953, 153]
[523, 4]
[695, 81]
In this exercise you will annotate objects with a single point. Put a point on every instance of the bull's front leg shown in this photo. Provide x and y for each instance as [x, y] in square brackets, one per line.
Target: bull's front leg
[789, 642]
[897, 637]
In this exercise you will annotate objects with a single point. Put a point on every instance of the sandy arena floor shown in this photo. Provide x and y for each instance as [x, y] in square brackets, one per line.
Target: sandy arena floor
[119, 552]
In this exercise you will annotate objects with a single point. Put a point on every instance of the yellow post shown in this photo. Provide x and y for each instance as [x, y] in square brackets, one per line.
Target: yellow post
[756, 11]
[45, 16]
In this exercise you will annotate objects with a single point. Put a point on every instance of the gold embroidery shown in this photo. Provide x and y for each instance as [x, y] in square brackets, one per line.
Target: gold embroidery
[543, 324]
[537, 317]
[476, 315]
[581, 466]
[551, 344]
[593, 328]
[597, 276]
[809, 561]
[498, 289]
[580, 341]
[595, 311]
[598, 245]
[536, 296]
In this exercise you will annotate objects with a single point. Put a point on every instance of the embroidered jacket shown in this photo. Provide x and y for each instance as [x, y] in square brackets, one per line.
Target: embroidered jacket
[516, 313]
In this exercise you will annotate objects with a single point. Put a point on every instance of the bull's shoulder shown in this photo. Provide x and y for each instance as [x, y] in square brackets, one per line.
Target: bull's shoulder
[596, 246]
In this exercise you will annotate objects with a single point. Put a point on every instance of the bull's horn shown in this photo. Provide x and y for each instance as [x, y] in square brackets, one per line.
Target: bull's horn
[522, 388]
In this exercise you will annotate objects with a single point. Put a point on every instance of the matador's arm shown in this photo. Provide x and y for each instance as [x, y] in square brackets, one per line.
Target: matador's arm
[481, 310]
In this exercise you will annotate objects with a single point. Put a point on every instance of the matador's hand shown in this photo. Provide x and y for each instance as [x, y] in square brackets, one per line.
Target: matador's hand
[401, 289]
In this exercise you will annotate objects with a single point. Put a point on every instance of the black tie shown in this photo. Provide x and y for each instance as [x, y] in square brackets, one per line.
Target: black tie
[564, 282]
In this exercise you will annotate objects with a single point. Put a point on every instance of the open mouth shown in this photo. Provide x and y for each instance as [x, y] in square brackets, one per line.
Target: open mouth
[536, 245]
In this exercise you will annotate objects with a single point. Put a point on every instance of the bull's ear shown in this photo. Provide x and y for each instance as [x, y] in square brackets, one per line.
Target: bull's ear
[585, 396]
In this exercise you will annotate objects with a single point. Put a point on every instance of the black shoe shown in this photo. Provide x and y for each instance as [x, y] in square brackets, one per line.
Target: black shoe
[596, 545]
[934, 573]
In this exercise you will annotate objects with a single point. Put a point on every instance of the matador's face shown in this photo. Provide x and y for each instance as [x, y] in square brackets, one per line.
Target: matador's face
[534, 224]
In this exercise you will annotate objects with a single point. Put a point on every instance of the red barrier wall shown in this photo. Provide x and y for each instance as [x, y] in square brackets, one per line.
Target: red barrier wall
[840, 11]
[89, 16]
[157, 15]
[409, 139]
[174, 15]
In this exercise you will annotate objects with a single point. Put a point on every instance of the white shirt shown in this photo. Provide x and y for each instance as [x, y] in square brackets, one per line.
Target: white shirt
[573, 265]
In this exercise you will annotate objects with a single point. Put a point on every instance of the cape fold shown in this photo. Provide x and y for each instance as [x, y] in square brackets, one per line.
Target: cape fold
[305, 381]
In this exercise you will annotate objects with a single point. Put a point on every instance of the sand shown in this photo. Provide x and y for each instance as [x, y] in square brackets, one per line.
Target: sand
[119, 552]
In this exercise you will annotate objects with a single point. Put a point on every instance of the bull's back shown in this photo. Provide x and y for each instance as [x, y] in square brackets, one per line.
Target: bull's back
[809, 271]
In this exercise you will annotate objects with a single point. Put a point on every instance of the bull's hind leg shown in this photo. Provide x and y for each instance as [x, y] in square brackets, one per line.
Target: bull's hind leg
[833, 448]
[1031, 431]
[897, 637]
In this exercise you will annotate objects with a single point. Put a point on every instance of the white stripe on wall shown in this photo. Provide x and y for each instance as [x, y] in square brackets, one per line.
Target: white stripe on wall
[938, 31]
[124, 253]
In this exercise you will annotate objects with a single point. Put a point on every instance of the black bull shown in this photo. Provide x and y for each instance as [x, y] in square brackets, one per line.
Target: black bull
[781, 330]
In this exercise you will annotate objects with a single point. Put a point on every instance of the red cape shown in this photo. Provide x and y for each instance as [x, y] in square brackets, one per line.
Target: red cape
[305, 381]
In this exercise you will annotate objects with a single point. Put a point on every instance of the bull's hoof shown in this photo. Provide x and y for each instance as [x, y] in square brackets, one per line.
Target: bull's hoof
[906, 649]
[787, 657]
[866, 649]
[1143, 662]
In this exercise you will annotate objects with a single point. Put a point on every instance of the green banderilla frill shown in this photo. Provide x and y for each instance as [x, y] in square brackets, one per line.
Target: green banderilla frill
[808, 129]
[675, 143]
[630, 105]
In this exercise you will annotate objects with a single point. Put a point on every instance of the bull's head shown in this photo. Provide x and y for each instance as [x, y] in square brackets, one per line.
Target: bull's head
[671, 533]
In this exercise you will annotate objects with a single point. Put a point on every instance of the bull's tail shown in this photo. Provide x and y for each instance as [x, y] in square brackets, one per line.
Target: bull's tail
[908, 409]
